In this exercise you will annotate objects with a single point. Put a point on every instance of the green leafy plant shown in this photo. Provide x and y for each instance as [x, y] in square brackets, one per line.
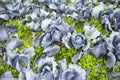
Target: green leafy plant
[69, 20]
[38, 52]
[79, 27]
[5, 67]
[116, 68]
[99, 26]
[24, 33]
[68, 1]
[89, 62]
[65, 53]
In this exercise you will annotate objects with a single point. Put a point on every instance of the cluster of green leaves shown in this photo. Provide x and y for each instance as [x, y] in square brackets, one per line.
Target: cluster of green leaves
[38, 51]
[89, 62]
[24, 33]
[102, 70]
[68, 1]
[65, 53]
[105, 7]
[97, 23]
[99, 26]
[116, 68]
[38, 33]
[79, 27]
[4, 68]
[69, 20]
[95, 4]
